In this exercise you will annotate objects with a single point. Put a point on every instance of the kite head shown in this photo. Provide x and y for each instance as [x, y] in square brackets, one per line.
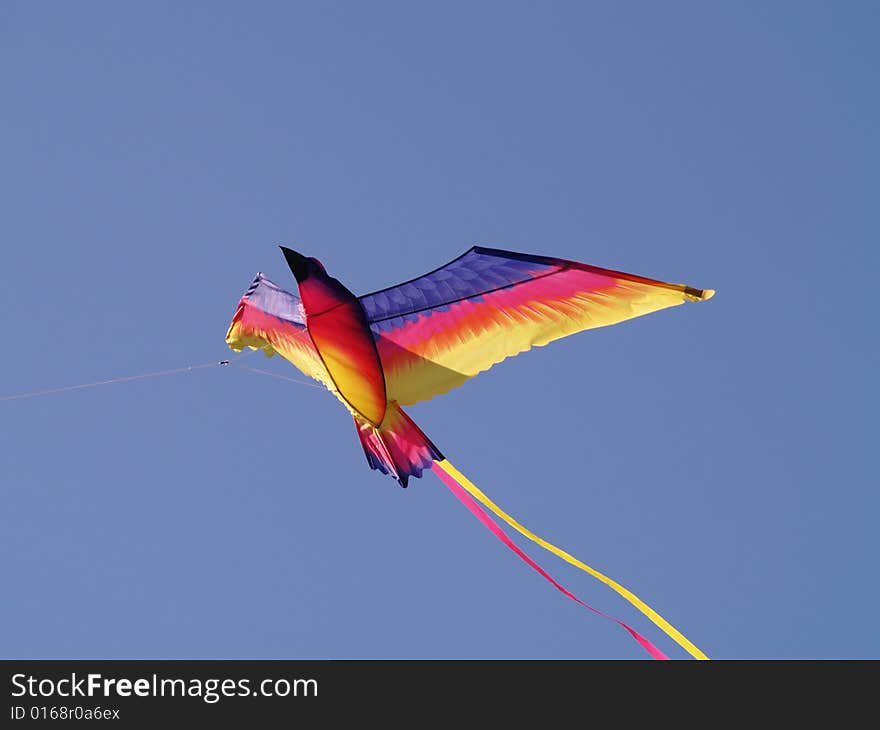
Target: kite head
[317, 290]
[302, 266]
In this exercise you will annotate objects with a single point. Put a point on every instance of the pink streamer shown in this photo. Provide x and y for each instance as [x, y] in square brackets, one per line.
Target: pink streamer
[478, 512]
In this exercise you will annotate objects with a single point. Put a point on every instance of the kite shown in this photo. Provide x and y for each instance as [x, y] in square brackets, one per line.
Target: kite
[419, 339]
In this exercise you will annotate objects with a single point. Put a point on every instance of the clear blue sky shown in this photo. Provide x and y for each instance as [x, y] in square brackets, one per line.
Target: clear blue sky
[718, 459]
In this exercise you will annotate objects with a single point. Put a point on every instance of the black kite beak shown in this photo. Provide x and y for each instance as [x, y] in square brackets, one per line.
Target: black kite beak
[297, 262]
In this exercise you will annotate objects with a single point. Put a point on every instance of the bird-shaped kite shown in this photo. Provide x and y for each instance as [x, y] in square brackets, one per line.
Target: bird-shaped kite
[419, 339]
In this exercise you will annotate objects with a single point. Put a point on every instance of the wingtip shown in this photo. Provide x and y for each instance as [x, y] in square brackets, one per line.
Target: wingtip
[698, 295]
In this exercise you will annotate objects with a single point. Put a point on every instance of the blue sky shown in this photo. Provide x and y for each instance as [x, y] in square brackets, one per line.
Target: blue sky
[717, 459]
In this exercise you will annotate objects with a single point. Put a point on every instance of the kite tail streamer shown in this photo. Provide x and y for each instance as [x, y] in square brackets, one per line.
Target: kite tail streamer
[449, 474]
[469, 502]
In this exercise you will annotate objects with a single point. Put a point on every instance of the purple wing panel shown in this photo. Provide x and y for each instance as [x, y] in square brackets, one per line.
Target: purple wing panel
[438, 330]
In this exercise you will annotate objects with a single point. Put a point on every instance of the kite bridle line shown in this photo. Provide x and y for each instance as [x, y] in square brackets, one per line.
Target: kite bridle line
[259, 371]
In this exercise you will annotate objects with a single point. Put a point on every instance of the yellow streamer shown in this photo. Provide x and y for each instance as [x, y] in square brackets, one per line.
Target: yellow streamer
[661, 622]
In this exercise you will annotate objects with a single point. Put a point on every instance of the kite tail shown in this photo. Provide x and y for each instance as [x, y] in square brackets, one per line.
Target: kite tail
[468, 492]
[397, 447]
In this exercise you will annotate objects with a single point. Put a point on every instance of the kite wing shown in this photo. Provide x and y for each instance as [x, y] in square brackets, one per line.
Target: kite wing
[270, 319]
[436, 331]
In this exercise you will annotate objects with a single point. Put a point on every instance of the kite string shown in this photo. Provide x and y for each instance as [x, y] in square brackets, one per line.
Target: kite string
[157, 374]
[124, 379]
